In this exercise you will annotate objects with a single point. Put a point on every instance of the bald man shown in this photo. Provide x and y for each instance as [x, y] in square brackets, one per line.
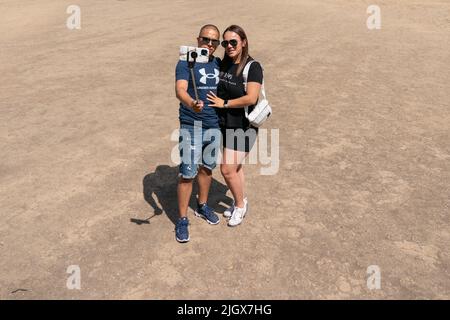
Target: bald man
[197, 120]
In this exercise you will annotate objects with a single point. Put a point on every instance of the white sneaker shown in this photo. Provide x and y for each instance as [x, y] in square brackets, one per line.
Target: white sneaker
[238, 215]
[228, 212]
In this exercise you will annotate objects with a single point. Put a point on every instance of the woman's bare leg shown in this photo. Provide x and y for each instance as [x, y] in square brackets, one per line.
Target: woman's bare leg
[230, 167]
[240, 172]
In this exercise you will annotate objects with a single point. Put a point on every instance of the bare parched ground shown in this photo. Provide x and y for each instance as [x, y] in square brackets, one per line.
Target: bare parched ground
[86, 118]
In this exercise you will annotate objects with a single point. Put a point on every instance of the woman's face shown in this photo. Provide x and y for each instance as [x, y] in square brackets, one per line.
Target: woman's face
[209, 39]
[230, 38]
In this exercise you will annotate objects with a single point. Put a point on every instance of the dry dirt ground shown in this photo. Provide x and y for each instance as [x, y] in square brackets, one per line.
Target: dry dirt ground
[86, 118]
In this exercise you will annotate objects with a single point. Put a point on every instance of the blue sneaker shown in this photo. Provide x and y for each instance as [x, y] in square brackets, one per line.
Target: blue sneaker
[181, 230]
[207, 213]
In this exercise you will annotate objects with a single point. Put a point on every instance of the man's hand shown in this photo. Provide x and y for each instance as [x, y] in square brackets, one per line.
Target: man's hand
[197, 105]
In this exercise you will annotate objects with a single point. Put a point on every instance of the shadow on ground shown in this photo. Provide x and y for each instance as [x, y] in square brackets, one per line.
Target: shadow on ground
[160, 192]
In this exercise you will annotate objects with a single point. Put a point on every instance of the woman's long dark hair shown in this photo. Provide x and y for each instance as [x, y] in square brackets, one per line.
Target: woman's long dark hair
[227, 61]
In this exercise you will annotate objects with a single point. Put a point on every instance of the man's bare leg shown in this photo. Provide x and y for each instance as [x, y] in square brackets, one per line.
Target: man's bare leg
[184, 191]
[204, 179]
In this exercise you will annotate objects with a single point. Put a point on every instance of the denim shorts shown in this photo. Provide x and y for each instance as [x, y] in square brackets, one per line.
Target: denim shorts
[198, 146]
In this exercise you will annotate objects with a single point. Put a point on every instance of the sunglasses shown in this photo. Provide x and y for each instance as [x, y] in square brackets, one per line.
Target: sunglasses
[233, 43]
[206, 40]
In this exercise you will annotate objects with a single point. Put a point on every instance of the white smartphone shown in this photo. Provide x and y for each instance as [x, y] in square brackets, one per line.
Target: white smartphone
[186, 52]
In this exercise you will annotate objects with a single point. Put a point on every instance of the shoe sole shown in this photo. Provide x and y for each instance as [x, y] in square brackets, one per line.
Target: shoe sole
[182, 241]
[197, 214]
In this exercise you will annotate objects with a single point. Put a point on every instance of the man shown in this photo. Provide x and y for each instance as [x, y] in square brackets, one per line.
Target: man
[196, 119]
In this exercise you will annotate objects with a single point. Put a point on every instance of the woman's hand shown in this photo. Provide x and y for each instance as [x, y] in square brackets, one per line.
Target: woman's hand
[214, 100]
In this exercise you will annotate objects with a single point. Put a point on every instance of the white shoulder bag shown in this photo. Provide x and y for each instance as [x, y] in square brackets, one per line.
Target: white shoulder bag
[262, 109]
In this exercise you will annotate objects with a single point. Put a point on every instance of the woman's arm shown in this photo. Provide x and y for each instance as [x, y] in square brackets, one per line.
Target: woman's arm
[249, 99]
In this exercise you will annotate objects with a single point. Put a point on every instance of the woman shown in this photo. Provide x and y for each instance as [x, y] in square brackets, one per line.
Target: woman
[231, 99]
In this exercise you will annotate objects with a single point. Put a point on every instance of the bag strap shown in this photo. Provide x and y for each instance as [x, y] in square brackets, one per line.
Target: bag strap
[245, 76]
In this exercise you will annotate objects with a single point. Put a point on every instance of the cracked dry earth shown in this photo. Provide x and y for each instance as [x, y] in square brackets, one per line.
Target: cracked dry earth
[86, 177]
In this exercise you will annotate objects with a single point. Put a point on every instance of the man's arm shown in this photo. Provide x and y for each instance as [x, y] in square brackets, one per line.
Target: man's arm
[181, 87]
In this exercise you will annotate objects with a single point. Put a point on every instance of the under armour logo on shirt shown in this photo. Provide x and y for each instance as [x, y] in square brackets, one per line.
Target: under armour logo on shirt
[205, 75]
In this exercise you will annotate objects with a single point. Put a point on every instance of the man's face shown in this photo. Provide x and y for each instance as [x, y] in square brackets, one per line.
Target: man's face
[209, 39]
